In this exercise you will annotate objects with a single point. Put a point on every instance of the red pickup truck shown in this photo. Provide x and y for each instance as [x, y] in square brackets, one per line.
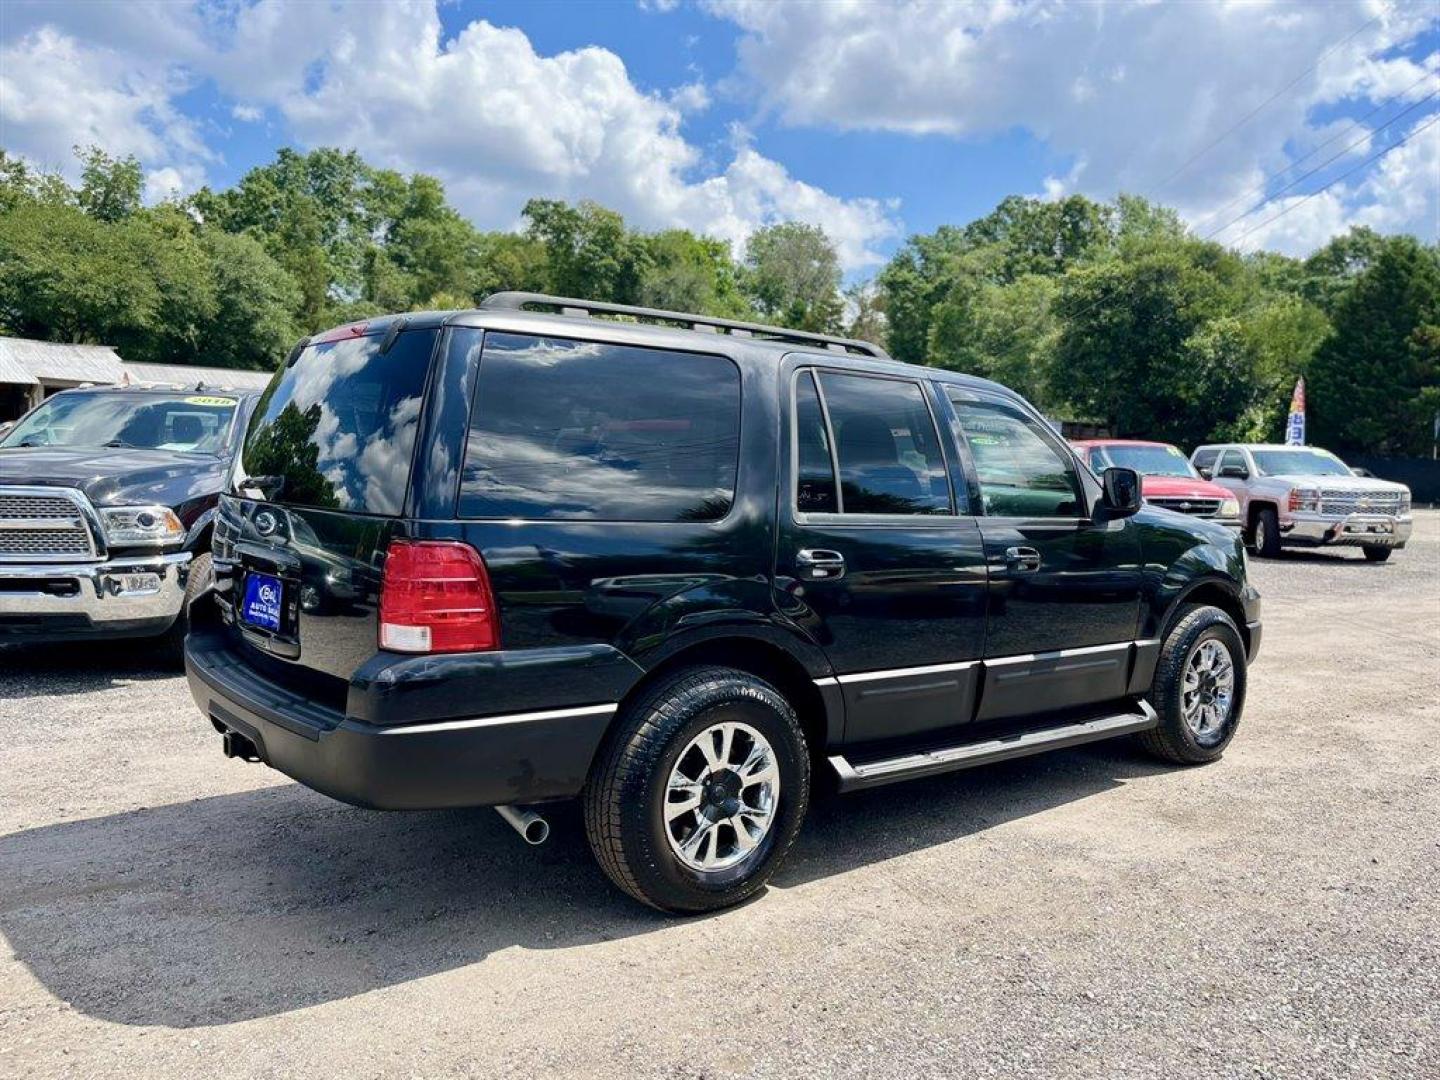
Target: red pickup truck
[1167, 477]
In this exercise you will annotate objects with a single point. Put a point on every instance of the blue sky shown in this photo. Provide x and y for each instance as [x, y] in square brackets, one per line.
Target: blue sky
[874, 120]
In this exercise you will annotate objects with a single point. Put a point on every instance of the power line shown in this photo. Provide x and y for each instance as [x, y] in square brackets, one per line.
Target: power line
[1259, 188]
[1259, 108]
[1305, 175]
[1368, 161]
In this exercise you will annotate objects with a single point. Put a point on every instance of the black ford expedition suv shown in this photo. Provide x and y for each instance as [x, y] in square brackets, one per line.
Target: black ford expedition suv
[674, 566]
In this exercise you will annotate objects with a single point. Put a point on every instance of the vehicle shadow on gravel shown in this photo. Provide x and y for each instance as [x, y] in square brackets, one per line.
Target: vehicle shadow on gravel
[81, 668]
[240, 906]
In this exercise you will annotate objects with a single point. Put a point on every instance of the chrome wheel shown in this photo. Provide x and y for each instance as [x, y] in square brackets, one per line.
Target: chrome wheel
[1208, 691]
[721, 798]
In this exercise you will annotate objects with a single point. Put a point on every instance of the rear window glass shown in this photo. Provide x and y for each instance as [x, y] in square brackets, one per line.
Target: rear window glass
[588, 431]
[339, 424]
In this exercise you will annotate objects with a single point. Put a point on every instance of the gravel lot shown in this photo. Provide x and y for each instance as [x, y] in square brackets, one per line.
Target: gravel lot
[165, 912]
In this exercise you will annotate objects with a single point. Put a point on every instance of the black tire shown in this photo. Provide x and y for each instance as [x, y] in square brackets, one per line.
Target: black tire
[1267, 533]
[202, 576]
[627, 788]
[1173, 739]
[1376, 552]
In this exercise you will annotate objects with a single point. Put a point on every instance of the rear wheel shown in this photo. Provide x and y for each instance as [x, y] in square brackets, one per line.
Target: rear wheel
[1376, 552]
[700, 791]
[1267, 533]
[1199, 687]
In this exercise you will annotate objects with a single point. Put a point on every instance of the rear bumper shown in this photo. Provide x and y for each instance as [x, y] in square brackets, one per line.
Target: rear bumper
[1351, 530]
[57, 601]
[487, 761]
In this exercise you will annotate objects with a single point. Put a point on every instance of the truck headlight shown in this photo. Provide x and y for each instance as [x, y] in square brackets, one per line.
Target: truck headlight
[1229, 508]
[1405, 503]
[155, 525]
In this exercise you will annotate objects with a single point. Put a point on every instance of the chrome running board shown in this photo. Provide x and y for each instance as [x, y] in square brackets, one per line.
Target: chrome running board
[855, 776]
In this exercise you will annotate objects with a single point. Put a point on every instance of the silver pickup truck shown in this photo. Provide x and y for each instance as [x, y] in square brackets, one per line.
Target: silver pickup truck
[1305, 496]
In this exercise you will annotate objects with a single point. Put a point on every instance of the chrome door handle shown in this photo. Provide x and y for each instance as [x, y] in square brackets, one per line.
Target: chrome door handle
[818, 564]
[1022, 558]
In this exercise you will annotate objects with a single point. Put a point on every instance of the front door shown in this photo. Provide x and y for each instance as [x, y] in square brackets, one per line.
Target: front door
[1064, 590]
[875, 558]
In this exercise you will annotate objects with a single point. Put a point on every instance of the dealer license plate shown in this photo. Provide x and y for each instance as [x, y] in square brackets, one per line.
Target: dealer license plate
[262, 602]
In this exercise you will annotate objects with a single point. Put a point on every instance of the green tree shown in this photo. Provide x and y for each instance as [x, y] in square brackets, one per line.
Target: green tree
[588, 250]
[253, 325]
[685, 272]
[793, 276]
[1132, 333]
[1006, 333]
[109, 187]
[65, 276]
[1375, 381]
[865, 313]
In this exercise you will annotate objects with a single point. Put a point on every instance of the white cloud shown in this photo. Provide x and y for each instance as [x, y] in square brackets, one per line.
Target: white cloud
[1126, 95]
[57, 93]
[499, 122]
[494, 119]
[1401, 194]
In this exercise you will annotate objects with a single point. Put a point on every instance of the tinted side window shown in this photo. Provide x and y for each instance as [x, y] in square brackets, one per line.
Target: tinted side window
[1205, 459]
[815, 470]
[888, 450]
[1022, 472]
[581, 430]
[1232, 459]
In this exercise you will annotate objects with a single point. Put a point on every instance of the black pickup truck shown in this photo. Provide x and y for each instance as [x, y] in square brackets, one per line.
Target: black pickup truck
[107, 496]
[676, 567]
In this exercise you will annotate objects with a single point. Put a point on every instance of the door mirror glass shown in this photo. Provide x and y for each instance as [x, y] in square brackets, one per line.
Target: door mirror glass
[1122, 492]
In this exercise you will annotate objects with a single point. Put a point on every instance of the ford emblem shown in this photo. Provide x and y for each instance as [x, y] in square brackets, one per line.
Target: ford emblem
[266, 523]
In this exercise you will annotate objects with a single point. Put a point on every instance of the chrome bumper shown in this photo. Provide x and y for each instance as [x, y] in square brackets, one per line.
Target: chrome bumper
[96, 590]
[1350, 529]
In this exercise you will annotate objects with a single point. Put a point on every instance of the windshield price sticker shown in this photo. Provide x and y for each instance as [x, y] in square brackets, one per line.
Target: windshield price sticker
[214, 402]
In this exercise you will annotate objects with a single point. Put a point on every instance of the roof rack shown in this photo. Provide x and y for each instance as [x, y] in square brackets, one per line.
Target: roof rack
[521, 301]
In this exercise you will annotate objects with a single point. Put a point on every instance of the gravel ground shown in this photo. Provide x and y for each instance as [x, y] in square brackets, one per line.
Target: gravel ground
[165, 912]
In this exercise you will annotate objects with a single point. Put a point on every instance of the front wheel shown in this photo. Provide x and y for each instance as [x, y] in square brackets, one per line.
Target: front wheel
[1267, 533]
[1376, 552]
[700, 791]
[201, 577]
[1199, 687]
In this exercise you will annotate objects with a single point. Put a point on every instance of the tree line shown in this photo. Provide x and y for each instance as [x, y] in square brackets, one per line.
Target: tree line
[1109, 313]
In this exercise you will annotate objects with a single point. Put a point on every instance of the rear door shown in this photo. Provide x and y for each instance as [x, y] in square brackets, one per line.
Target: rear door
[875, 558]
[324, 477]
[1064, 590]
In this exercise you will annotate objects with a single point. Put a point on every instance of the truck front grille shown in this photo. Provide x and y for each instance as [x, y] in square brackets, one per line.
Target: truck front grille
[1333, 501]
[1194, 507]
[43, 527]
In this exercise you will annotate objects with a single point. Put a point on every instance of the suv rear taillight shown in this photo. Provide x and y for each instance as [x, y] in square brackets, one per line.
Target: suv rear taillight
[435, 597]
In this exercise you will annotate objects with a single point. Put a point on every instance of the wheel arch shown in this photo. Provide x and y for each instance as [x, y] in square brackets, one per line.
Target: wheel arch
[1216, 592]
[821, 718]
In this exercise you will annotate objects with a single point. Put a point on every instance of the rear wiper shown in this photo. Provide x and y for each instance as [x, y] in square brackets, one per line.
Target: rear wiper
[269, 487]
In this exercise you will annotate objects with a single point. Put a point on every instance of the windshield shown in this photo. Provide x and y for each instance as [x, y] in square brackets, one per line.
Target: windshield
[193, 423]
[1150, 460]
[337, 426]
[1299, 462]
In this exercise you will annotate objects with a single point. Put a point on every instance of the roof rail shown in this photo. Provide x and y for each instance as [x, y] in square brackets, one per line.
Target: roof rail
[520, 301]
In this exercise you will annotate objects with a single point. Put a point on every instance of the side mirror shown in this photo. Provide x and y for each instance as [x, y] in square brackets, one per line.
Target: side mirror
[1205, 474]
[1122, 492]
[1235, 472]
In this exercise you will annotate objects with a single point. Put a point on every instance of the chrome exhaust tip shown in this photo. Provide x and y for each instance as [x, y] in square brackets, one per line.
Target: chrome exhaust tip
[533, 828]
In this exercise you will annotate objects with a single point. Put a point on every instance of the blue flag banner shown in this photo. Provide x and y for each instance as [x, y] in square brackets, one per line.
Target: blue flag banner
[1295, 425]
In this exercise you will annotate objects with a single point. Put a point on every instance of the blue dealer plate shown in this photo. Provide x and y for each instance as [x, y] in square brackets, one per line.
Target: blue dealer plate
[262, 602]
